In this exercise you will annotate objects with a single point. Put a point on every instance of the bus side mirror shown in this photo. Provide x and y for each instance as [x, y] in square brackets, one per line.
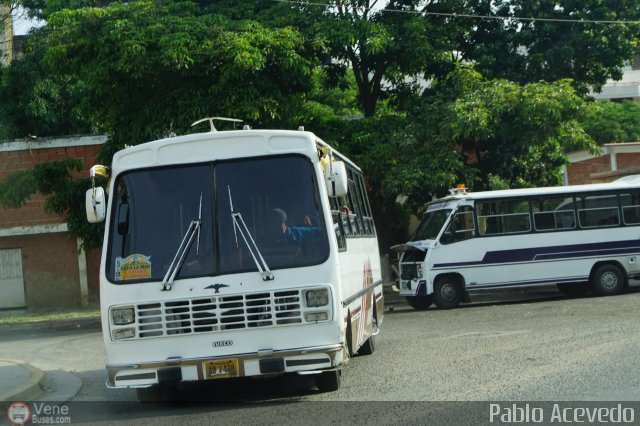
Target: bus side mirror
[95, 204]
[335, 178]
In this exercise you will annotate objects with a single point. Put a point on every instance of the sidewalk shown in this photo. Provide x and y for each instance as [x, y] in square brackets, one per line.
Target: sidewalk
[20, 381]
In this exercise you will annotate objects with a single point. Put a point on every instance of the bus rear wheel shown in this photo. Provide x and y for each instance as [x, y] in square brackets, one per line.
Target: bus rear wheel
[607, 280]
[447, 292]
[419, 302]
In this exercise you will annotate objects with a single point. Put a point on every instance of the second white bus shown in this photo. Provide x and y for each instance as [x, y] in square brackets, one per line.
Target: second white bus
[579, 238]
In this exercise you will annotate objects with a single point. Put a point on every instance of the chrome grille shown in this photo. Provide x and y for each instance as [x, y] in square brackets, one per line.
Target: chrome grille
[213, 314]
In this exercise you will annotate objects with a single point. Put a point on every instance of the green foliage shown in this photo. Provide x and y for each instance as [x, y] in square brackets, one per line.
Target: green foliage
[610, 122]
[36, 100]
[16, 188]
[372, 45]
[533, 50]
[144, 69]
[65, 195]
[155, 67]
[518, 133]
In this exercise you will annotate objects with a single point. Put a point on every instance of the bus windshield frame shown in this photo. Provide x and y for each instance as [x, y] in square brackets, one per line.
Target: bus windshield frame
[432, 223]
[153, 208]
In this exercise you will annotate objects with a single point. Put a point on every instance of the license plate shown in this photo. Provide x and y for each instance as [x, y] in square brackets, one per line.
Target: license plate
[221, 369]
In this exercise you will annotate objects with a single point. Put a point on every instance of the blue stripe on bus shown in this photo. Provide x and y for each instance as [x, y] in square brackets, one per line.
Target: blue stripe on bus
[536, 254]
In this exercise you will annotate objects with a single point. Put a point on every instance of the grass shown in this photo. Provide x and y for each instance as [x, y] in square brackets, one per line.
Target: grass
[21, 317]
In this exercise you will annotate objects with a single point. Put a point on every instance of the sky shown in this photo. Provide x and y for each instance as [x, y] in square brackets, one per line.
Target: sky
[22, 24]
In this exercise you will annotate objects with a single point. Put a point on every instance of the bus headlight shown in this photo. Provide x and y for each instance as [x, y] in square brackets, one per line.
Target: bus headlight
[123, 316]
[318, 297]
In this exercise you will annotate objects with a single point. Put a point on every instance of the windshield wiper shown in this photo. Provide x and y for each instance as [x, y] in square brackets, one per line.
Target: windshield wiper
[240, 226]
[178, 259]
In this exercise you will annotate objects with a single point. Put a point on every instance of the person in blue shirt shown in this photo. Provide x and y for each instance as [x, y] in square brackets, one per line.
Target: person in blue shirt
[284, 232]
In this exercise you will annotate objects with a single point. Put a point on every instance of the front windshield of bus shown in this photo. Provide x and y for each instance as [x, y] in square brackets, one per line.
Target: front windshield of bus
[431, 224]
[153, 209]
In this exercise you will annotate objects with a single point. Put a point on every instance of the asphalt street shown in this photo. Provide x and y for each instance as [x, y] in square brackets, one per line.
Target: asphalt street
[509, 347]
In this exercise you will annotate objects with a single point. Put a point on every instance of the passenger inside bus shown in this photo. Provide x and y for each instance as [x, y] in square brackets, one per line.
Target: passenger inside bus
[282, 232]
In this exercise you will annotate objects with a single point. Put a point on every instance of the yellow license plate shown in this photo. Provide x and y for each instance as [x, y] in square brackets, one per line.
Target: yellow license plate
[221, 369]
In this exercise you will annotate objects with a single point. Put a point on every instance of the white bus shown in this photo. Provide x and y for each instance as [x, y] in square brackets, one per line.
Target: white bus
[232, 254]
[579, 238]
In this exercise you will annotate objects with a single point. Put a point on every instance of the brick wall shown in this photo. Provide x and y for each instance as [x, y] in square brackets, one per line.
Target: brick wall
[93, 274]
[32, 212]
[580, 172]
[628, 160]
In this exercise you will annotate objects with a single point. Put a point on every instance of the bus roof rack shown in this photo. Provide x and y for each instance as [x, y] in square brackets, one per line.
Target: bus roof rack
[211, 119]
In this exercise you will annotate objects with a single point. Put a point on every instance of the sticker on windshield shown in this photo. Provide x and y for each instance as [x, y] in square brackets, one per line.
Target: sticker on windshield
[133, 267]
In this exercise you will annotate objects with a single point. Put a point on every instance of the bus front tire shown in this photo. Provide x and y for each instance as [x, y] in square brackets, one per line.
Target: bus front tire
[328, 381]
[419, 302]
[607, 280]
[447, 292]
[369, 346]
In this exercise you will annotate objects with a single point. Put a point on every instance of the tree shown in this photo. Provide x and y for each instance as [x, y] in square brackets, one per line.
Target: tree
[528, 41]
[65, 195]
[610, 122]
[519, 133]
[381, 48]
[151, 68]
[38, 101]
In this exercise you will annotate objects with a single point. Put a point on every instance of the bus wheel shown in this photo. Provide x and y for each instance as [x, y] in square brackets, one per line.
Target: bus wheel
[328, 381]
[348, 337]
[447, 293]
[607, 280]
[369, 346]
[419, 302]
[573, 289]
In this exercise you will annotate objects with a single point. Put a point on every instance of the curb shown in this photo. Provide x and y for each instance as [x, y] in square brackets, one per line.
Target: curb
[88, 323]
[28, 391]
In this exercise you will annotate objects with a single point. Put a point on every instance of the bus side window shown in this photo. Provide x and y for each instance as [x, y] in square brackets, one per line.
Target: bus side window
[461, 226]
[338, 224]
[630, 207]
[599, 211]
[339, 230]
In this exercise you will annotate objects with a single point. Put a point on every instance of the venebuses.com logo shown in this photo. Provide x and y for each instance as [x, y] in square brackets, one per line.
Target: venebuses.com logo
[18, 413]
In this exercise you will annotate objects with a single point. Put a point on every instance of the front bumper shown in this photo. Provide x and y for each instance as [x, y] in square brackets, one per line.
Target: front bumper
[415, 287]
[305, 360]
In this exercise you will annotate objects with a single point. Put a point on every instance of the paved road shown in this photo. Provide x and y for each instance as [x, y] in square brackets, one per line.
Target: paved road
[508, 347]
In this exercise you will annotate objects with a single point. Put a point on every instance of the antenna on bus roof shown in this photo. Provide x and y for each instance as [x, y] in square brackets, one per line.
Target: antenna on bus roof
[210, 120]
